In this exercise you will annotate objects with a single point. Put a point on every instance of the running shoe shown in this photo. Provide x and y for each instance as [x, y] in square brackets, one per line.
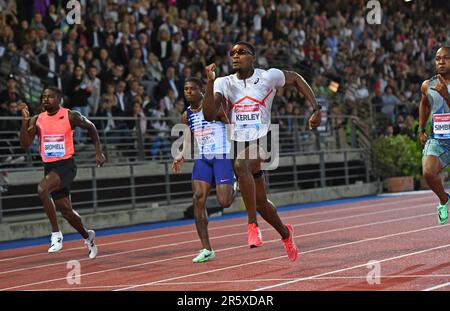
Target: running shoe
[443, 212]
[204, 255]
[289, 245]
[254, 236]
[89, 242]
[56, 242]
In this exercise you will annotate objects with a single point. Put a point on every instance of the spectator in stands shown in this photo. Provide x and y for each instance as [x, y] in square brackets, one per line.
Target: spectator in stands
[390, 103]
[170, 82]
[115, 73]
[11, 93]
[94, 33]
[51, 61]
[123, 100]
[163, 45]
[9, 132]
[37, 22]
[399, 124]
[95, 84]
[140, 122]
[377, 102]
[78, 92]
[6, 32]
[176, 113]
[123, 51]
[189, 34]
[154, 68]
[168, 102]
[51, 19]
[58, 38]
[106, 110]
[410, 127]
[160, 129]
[117, 131]
[362, 92]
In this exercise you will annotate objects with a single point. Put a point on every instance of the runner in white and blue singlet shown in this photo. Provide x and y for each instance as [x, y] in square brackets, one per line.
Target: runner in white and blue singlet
[211, 165]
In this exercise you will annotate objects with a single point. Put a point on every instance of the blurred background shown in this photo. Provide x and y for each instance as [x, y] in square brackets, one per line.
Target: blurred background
[124, 67]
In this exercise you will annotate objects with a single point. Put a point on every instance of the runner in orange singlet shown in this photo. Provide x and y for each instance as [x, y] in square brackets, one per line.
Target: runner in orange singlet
[54, 128]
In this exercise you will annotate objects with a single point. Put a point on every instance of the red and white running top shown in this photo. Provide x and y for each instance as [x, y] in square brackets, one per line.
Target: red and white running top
[249, 102]
[55, 135]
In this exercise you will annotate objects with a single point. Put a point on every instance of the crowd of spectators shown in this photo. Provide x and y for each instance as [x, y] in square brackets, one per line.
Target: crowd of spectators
[131, 57]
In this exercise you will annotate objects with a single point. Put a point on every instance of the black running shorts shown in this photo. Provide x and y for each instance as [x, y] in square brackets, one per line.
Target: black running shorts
[66, 170]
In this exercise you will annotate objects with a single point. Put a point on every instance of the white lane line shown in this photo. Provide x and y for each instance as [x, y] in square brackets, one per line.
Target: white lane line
[436, 287]
[212, 282]
[212, 228]
[352, 267]
[230, 248]
[229, 235]
[300, 253]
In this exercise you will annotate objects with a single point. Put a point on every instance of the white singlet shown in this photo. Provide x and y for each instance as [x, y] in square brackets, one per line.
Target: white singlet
[249, 103]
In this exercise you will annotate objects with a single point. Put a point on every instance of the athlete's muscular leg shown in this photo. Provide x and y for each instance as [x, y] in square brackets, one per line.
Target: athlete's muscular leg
[247, 186]
[64, 205]
[267, 209]
[201, 191]
[47, 185]
[248, 162]
[224, 195]
[431, 168]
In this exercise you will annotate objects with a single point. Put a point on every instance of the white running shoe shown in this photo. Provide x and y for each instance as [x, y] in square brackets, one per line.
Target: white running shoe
[56, 243]
[91, 245]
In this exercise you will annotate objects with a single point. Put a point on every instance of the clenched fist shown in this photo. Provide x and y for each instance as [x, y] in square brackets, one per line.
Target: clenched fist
[441, 88]
[211, 72]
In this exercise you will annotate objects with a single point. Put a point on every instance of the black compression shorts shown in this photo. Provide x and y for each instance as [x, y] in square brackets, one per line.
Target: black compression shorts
[66, 170]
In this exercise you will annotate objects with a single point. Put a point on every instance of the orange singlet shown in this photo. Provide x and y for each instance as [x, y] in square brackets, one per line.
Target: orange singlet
[55, 135]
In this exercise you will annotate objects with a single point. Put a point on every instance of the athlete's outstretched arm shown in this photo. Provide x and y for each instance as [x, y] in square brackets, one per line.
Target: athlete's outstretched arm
[28, 128]
[212, 102]
[294, 79]
[77, 120]
[424, 113]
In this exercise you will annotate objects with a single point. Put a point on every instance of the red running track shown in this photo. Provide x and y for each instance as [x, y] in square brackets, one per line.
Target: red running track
[337, 245]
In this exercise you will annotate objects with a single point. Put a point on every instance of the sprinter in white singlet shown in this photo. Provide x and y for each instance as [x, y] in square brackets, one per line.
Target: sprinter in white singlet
[247, 96]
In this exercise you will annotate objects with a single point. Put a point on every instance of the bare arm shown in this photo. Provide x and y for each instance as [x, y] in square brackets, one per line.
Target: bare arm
[212, 102]
[222, 115]
[28, 129]
[424, 113]
[77, 120]
[294, 79]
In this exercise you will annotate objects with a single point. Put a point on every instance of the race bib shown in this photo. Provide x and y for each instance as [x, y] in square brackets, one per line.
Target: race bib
[54, 146]
[248, 114]
[204, 137]
[441, 125]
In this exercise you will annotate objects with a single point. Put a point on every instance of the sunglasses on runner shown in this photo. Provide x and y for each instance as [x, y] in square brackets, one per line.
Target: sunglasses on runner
[240, 52]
